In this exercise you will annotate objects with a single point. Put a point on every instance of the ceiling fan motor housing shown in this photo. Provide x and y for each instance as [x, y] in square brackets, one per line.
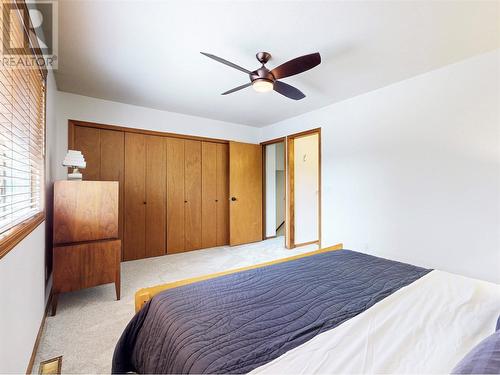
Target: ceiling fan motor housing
[263, 57]
[262, 73]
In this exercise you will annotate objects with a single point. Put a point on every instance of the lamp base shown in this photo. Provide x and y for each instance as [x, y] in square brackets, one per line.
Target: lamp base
[75, 175]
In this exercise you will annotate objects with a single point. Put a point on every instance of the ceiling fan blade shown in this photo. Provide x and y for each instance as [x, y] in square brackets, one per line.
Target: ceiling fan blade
[296, 66]
[237, 88]
[221, 60]
[288, 91]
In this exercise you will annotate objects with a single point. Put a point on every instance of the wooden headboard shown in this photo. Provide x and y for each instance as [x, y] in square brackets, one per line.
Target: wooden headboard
[145, 294]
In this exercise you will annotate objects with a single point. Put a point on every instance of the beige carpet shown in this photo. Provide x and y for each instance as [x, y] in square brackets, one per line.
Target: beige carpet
[89, 322]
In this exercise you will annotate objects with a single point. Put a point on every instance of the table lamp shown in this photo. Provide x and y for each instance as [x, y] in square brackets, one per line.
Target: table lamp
[74, 159]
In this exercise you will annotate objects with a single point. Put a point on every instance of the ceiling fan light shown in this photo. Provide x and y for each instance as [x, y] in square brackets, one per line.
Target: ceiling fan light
[262, 85]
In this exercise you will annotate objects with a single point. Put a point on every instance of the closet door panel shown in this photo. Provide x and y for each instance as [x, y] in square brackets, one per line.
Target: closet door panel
[112, 165]
[135, 196]
[192, 194]
[156, 161]
[222, 194]
[245, 185]
[175, 195]
[208, 194]
[87, 140]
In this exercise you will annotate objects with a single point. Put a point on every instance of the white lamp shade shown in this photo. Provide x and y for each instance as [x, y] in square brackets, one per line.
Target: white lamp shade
[74, 159]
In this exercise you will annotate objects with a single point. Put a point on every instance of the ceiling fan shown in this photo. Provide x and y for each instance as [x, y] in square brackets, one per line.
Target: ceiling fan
[264, 80]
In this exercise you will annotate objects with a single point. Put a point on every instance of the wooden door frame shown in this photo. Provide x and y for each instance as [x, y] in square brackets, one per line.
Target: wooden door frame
[263, 145]
[73, 123]
[290, 189]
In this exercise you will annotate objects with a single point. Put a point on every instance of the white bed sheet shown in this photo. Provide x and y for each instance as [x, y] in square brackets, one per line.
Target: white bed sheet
[425, 327]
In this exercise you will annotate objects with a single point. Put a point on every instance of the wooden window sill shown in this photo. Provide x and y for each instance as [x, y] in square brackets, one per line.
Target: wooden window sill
[16, 234]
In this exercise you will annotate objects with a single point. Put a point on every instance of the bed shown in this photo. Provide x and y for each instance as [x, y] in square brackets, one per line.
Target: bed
[328, 311]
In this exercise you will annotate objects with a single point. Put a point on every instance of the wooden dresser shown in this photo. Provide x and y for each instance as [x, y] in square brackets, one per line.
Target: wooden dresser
[87, 248]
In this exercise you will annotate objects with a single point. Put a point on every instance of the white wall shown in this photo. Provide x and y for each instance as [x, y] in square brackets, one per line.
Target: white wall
[23, 287]
[280, 183]
[412, 171]
[280, 156]
[77, 107]
[306, 188]
[280, 197]
[270, 190]
[22, 292]
[52, 163]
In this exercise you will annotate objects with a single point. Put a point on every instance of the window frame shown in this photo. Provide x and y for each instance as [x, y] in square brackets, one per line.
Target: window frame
[13, 236]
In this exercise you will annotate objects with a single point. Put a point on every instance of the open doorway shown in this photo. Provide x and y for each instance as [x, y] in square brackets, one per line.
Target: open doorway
[291, 187]
[274, 189]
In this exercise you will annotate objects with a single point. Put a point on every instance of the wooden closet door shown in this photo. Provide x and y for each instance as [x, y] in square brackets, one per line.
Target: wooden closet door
[87, 140]
[245, 186]
[135, 197]
[222, 194]
[208, 194]
[112, 165]
[156, 194]
[192, 194]
[175, 195]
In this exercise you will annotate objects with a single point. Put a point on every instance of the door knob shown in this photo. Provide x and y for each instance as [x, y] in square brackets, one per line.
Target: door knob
[233, 198]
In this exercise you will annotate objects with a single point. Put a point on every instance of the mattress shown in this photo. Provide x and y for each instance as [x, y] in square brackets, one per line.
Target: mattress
[426, 327]
[239, 322]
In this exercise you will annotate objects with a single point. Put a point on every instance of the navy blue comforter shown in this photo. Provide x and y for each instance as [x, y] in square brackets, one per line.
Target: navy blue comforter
[235, 323]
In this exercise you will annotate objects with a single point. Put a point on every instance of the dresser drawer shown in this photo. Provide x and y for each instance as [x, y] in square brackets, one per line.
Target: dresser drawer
[86, 265]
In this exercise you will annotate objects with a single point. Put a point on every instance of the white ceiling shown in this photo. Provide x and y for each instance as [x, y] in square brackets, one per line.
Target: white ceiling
[147, 52]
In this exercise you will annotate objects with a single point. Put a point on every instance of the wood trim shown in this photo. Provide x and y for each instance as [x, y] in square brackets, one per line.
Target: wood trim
[304, 133]
[17, 233]
[71, 134]
[319, 188]
[275, 140]
[306, 243]
[290, 209]
[29, 369]
[264, 192]
[73, 123]
[145, 294]
[290, 194]
[339, 246]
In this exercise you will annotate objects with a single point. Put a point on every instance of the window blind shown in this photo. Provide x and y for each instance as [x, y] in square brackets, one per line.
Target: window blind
[22, 127]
